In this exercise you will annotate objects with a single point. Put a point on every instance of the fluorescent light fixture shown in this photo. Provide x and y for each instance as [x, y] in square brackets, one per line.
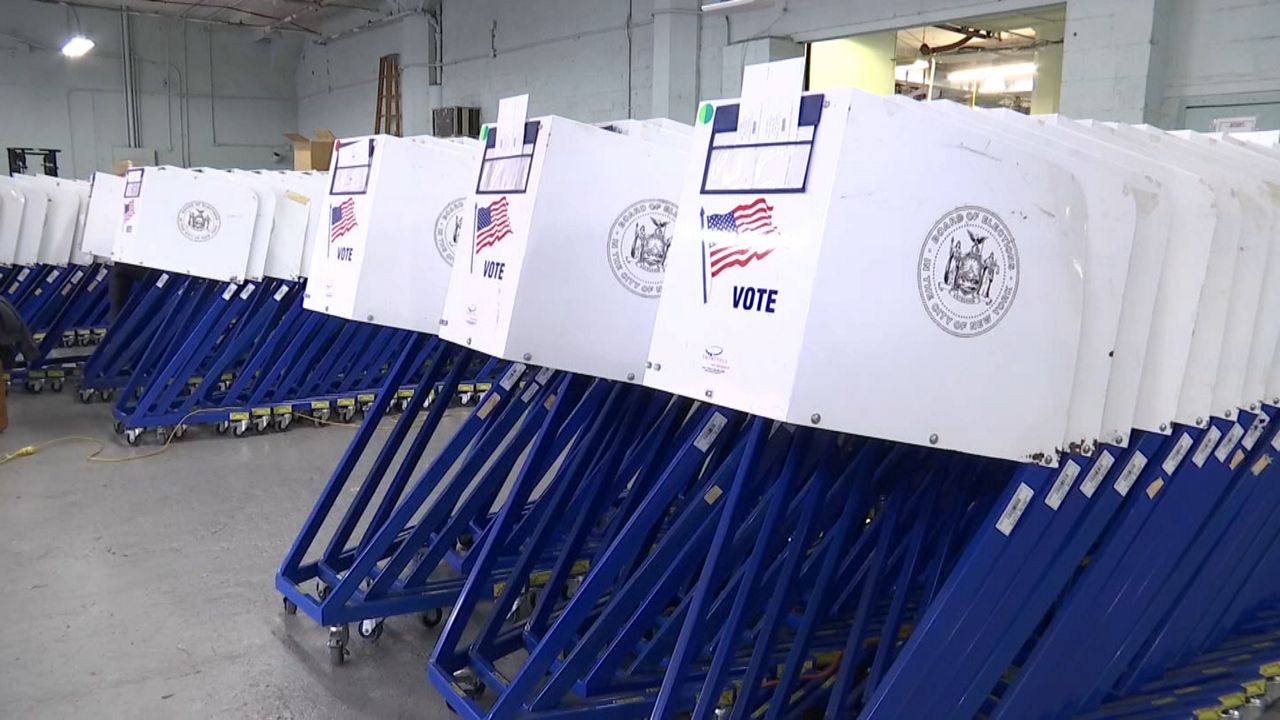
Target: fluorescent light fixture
[981, 74]
[77, 46]
[919, 64]
[727, 5]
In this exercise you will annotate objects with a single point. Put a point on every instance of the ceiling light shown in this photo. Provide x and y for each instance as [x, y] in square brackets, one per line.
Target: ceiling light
[980, 74]
[77, 46]
[919, 64]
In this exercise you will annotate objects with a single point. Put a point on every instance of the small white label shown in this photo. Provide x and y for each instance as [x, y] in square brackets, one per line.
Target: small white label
[1255, 432]
[231, 290]
[1210, 439]
[529, 392]
[1178, 452]
[710, 431]
[543, 375]
[247, 291]
[1013, 511]
[1229, 442]
[1062, 485]
[160, 281]
[53, 275]
[75, 276]
[512, 375]
[1097, 474]
[23, 273]
[1131, 472]
[281, 292]
[102, 273]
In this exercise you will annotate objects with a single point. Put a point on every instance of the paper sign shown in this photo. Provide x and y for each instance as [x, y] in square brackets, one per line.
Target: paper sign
[1247, 123]
[512, 113]
[770, 102]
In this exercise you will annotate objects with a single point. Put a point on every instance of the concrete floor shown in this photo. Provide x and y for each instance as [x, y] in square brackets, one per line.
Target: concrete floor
[145, 589]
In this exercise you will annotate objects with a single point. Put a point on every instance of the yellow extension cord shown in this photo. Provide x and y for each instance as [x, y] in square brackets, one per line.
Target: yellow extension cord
[30, 450]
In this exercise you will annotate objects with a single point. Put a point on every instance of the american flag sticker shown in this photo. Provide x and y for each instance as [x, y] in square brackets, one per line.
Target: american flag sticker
[734, 239]
[342, 220]
[492, 224]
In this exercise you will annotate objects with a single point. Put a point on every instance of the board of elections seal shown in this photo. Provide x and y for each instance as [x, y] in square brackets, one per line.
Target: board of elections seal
[198, 221]
[968, 271]
[638, 243]
[449, 229]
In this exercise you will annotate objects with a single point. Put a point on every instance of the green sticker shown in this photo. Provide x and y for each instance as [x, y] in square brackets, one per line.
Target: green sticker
[484, 133]
[705, 113]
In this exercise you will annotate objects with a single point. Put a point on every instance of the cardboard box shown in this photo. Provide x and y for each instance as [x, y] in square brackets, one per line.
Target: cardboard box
[312, 154]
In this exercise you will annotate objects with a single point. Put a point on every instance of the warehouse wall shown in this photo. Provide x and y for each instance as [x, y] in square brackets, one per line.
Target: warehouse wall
[209, 96]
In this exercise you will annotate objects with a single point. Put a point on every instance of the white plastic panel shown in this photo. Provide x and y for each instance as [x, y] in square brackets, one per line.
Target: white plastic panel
[78, 254]
[31, 232]
[60, 220]
[200, 224]
[11, 206]
[289, 225]
[564, 270]
[263, 222]
[106, 213]
[839, 316]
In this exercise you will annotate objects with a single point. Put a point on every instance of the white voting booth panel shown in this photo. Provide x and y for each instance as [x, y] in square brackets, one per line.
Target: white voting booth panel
[34, 211]
[394, 214]
[106, 213]
[564, 258]
[78, 254]
[197, 223]
[60, 220]
[1178, 278]
[806, 286]
[315, 185]
[291, 210]
[12, 202]
[1111, 221]
[264, 218]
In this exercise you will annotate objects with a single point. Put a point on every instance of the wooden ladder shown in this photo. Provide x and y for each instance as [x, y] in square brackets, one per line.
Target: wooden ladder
[387, 119]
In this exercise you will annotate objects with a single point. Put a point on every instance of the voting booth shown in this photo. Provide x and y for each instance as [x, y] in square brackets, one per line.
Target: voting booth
[394, 213]
[12, 203]
[196, 223]
[570, 226]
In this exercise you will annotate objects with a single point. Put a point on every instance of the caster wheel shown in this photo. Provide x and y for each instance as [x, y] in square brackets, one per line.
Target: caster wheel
[223, 427]
[118, 427]
[106, 395]
[346, 414]
[35, 387]
[431, 618]
[85, 395]
[240, 429]
[337, 655]
[322, 590]
[323, 418]
[56, 386]
[370, 630]
[260, 426]
[465, 543]
[162, 435]
[283, 422]
[180, 431]
[133, 437]
[290, 607]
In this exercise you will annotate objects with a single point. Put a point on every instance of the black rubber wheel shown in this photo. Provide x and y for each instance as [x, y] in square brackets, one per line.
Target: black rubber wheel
[118, 427]
[373, 634]
[239, 430]
[290, 607]
[431, 618]
[56, 386]
[133, 437]
[106, 395]
[337, 655]
[85, 395]
[322, 590]
[223, 427]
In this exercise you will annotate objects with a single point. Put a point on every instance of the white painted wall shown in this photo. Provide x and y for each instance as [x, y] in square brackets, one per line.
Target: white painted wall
[209, 96]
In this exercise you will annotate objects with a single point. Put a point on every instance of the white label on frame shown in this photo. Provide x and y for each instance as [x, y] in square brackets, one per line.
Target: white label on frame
[1132, 471]
[710, 432]
[1178, 452]
[1013, 511]
[1097, 474]
[1207, 443]
[1062, 485]
[1229, 442]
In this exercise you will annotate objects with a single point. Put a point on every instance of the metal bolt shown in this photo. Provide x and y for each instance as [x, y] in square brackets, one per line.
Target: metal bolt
[1086, 450]
[657, 366]
[468, 341]
[815, 418]
[444, 323]
[1118, 439]
[708, 393]
[1164, 427]
[933, 439]
[369, 318]
[1199, 421]
[1229, 413]
[1253, 407]
[527, 357]
[631, 376]
[648, 365]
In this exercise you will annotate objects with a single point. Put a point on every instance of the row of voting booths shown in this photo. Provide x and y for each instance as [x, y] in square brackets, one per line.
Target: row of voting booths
[49, 274]
[830, 405]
